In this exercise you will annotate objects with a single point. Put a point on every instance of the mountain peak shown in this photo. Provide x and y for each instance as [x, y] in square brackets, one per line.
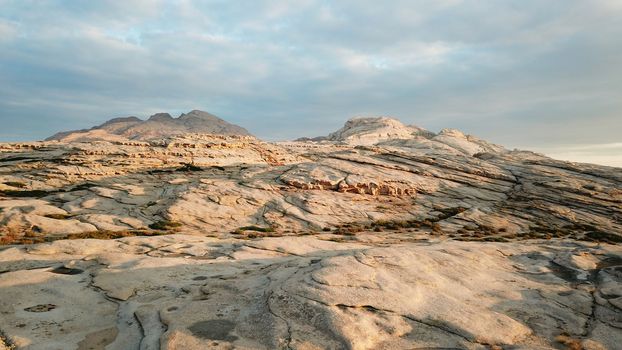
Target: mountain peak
[195, 113]
[158, 125]
[160, 117]
[367, 131]
[371, 130]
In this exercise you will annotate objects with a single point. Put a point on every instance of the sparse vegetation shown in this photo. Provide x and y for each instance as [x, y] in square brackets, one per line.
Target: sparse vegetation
[571, 343]
[495, 239]
[104, 234]
[449, 212]
[242, 229]
[84, 186]
[31, 193]
[165, 225]
[5, 342]
[189, 167]
[588, 232]
[10, 238]
[252, 231]
[436, 228]
[600, 236]
[16, 184]
[30, 236]
[58, 216]
[349, 229]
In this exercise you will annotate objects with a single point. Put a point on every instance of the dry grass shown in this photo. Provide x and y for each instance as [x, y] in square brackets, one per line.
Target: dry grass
[103, 234]
[58, 216]
[30, 236]
[571, 343]
[15, 184]
[165, 225]
[255, 229]
[25, 193]
[5, 342]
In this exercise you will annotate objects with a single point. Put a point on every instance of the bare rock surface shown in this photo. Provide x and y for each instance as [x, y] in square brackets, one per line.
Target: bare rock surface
[379, 236]
[215, 184]
[372, 291]
[369, 131]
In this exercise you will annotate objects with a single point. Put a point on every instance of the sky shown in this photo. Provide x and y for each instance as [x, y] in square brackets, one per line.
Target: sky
[529, 74]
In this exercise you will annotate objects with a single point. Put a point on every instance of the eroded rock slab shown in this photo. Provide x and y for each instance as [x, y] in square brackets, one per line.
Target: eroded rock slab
[374, 290]
[371, 171]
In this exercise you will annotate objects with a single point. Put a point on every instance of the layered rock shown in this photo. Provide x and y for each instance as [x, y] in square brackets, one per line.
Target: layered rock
[369, 131]
[372, 291]
[157, 126]
[379, 238]
[215, 184]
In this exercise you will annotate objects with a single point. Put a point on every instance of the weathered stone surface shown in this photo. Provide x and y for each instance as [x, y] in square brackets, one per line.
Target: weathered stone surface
[214, 184]
[378, 290]
[380, 236]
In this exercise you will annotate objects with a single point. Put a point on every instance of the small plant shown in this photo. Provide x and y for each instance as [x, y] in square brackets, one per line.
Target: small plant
[449, 212]
[600, 236]
[495, 239]
[436, 228]
[6, 342]
[16, 184]
[9, 238]
[58, 216]
[84, 186]
[349, 229]
[104, 234]
[32, 193]
[571, 343]
[165, 225]
[189, 167]
[241, 230]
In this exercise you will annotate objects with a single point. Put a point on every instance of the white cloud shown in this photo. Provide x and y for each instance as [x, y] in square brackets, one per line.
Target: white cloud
[8, 31]
[539, 73]
[605, 154]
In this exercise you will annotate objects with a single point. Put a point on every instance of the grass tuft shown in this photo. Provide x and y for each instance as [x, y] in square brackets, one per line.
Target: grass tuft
[242, 229]
[165, 225]
[16, 184]
[58, 216]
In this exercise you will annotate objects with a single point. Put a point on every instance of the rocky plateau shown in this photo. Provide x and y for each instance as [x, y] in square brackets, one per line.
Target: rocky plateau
[189, 233]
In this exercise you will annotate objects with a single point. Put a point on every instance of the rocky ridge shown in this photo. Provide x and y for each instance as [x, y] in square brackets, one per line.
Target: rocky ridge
[158, 125]
[378, 236]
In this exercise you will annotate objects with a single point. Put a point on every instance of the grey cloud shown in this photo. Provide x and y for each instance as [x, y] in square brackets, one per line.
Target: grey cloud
[526, 74]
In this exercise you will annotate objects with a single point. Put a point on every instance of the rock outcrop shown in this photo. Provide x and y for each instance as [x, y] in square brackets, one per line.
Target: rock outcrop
[158, 125]
[371, 291]
[380, 236]
[369, 131]
[215, 184]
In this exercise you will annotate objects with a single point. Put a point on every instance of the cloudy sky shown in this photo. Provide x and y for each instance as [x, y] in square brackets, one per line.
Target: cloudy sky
[541, 75]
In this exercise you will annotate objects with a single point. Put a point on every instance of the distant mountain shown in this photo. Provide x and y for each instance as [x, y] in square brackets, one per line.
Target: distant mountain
[362, 131]
[157, 126]
[369, 131]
